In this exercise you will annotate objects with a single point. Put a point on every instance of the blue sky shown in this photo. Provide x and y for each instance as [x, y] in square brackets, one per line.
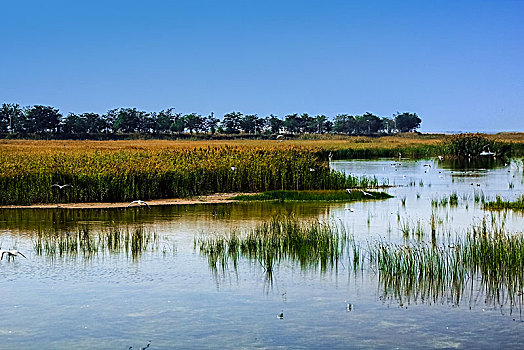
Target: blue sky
[458, 64]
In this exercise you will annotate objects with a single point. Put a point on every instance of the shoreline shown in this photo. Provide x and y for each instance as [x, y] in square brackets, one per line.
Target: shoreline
[220, 198]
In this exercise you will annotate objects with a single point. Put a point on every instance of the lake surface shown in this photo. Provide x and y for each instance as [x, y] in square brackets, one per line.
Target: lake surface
[169, 296]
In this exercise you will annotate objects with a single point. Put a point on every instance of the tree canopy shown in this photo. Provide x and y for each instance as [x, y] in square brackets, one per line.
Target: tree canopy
[48, 120]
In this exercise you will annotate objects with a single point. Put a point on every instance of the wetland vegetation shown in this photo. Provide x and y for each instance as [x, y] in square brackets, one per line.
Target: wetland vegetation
[326, 195]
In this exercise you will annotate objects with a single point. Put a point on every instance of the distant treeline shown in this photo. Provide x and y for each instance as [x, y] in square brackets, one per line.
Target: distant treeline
[46, 120]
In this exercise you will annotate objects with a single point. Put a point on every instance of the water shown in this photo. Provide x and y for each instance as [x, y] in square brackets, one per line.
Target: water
[171, 297]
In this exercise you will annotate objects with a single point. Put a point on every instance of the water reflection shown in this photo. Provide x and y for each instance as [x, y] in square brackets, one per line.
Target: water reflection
[177, 299]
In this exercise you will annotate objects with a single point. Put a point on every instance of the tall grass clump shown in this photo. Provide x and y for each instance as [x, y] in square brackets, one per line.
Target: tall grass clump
[312, 245]
[124, 175]
[471, 145]
[487, 259]
[500, 204]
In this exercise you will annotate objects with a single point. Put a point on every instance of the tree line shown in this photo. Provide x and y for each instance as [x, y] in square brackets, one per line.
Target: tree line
[47, 120]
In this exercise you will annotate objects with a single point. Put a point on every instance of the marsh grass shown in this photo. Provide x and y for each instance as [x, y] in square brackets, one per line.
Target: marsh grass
[324, 195]
[487, 259]
[312, 245]
[85, 244]
[124, 175]
[486, 262]
[500, 204]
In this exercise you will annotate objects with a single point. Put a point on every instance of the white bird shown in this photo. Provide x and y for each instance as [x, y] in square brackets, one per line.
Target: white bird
[348, 190]
[11, 254]
[62, 186]
[233, 168]
[440, 157]
[311, 169]
[139, 202]
[366, 193]
[487, 153]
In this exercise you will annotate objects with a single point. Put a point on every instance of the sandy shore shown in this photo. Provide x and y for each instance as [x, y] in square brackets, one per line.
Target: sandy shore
[214, 198]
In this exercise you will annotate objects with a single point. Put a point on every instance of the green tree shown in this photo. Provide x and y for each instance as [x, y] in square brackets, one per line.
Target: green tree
[322, 124]
[212, 123]
[179, 124]
[194, 122]
[74, 124]
[293, 123]
[232, 123]
[40, 119]
[129, 120]
[308, 124]
[406, 122]
[368, 124]
[162, 120]
[95, 123]
[249, 123]
[274, 123]
[11, 116]
[344, 123]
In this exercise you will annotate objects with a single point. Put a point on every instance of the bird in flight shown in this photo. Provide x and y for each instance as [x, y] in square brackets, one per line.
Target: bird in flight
[11, 254]
[62, 186]
[139, 202]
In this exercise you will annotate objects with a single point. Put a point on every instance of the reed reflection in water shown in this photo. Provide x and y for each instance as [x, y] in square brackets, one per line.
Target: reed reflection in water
[487, 263]
[86, 244]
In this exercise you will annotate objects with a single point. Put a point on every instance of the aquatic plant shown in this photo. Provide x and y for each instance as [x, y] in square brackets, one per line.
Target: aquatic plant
[487, 258]
[473, 145]
[323, 195]
[499, 204]
[311, 244]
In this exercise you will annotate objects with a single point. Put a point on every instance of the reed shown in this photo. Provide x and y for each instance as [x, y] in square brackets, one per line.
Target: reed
[324, 195]
[487, 256]
[486, 259]
[115, 175]
[500, 204]
[312, 245]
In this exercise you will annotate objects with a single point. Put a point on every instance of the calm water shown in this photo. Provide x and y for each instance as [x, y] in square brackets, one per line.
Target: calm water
[170, 296]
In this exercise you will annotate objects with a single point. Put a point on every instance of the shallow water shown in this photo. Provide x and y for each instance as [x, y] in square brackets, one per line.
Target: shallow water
[171, 297]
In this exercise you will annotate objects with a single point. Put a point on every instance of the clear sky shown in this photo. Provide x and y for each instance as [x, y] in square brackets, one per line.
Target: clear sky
[458, 64]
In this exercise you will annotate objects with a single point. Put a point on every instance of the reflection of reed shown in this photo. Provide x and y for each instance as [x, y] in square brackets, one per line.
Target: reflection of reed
[86, 244]
[487, 261]
[311, 244]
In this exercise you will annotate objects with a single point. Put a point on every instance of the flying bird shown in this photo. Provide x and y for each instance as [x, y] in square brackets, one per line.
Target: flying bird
[11, 254]
[366, 193]
[233, 168]
[139, 202]
[61, 186]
